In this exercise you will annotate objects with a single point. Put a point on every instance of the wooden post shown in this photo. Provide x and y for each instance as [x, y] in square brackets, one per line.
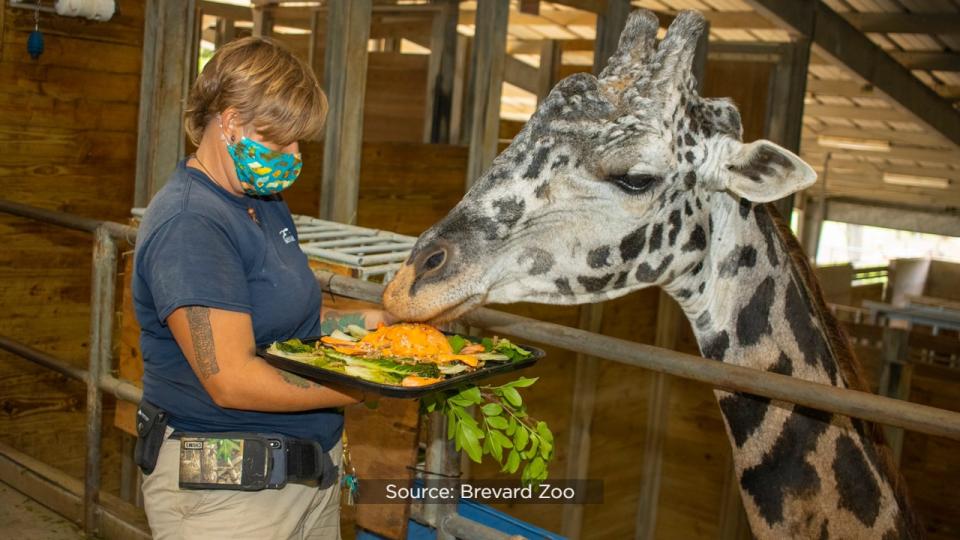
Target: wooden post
[610, 24]
[895, 380]
[345, 78]
[226, 32]
[313, 45]
[263, 20]
[490, 45]
[169, 66]
[669, 318]
[581, 419]
[440, 74]
[551, 57]
[461, 82]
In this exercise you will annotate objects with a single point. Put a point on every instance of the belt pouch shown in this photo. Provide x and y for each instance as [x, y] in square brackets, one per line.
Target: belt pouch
[151, 428]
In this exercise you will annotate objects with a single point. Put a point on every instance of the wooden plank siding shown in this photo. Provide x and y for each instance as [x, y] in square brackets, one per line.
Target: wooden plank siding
[68, 124]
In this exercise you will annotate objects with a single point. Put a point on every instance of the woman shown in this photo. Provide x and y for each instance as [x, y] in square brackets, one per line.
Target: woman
[218, 271]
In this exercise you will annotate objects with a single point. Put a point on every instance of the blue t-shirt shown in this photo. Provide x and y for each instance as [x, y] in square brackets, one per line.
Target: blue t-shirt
[198, 246]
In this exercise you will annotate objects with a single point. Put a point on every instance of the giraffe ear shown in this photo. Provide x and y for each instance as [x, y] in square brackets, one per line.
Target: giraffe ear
[763, 171]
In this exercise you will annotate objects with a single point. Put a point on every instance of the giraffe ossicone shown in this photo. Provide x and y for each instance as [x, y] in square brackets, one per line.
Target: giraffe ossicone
[629, 180]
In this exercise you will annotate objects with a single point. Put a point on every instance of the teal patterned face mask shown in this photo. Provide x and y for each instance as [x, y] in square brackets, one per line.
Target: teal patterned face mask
[263, 171]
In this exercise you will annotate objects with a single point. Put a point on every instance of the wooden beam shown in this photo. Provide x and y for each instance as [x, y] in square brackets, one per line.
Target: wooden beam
[440, 73]
[894, 216]
[849, 89]
[906, 23]
[169, 65]
[345, 78]
[916, 138]
[225, 33]
[489, 53]
[856, 113]
[610, 23]
[811, 147]
[521, 74]
[928, 60]
[586, 375]
[263, 20]
[461, 84]
[551, 57]
[836, 38]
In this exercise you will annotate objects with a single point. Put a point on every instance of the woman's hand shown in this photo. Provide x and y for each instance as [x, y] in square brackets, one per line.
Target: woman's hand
[220, 347]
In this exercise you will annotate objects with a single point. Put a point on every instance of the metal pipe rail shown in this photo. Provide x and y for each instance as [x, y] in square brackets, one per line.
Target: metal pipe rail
[880, 409]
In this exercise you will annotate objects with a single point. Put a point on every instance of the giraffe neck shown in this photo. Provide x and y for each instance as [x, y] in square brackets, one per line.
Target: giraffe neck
[802, 472]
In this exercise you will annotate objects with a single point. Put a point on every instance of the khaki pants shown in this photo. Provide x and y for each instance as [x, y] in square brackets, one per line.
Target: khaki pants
[294, 512]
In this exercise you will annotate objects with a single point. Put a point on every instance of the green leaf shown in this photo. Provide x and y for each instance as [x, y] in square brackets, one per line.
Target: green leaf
[511, 426]
[474, 428]
[513, 462]
[522, 382]
[487, 344]
[465, 417]
[512, 396]
[471, 394]
[496, 450]
[544, 431]
[502, 439]
[534, 446]
[471, 444]
[498, 422]
[520, 438]
[537, 468]
[546, 448]
[459, 401]
[451, 423]
[457, 343]
[492, 409]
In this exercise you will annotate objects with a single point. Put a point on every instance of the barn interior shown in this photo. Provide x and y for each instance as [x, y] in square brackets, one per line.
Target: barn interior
[423, 95]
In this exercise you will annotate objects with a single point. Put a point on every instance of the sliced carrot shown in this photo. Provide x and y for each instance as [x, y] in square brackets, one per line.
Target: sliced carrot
[465, 358]
[414, 380]
[334, 341]
[473, 349]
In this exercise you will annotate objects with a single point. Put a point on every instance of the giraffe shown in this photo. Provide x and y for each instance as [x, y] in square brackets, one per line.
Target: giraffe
[629, 180]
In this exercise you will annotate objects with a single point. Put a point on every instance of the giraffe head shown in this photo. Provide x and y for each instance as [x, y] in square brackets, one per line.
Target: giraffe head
[609, 188]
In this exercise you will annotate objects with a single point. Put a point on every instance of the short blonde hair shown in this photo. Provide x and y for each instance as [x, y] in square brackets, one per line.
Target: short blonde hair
[272, 90]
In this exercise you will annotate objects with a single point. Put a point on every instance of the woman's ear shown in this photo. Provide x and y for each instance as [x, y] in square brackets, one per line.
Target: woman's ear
[762, 171]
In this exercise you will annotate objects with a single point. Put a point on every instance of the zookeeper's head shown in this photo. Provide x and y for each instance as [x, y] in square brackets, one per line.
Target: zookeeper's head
[246, 112]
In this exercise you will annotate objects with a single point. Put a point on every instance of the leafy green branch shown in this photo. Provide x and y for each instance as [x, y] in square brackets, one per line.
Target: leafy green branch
[505, 430]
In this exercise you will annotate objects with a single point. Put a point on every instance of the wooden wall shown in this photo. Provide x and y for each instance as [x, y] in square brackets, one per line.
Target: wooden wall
[68, 124]
[942, 279]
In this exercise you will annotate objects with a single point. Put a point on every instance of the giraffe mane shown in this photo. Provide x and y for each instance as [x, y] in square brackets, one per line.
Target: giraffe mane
[850, 369]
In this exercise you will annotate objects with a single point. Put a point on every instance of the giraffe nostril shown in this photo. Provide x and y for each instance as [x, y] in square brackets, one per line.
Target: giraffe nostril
[435, 260]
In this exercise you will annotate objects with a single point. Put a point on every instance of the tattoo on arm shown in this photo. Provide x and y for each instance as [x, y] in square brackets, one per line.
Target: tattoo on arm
[294, 380]
[198, 319]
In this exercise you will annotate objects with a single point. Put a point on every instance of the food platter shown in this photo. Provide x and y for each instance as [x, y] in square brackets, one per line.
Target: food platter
[309, 366]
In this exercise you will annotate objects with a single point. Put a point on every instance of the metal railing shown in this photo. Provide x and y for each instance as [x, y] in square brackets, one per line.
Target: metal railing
[884, 410]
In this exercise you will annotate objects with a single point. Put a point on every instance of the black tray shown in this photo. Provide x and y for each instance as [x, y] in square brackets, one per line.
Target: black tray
[388, 390]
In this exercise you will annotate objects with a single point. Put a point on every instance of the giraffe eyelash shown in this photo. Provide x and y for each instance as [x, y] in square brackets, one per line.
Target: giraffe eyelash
[634, 184]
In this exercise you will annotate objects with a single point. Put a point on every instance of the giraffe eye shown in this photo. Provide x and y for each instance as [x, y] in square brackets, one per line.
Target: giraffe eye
[634, 183]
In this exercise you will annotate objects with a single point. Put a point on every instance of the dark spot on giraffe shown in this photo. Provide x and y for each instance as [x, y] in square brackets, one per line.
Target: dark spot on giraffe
[537, 163]
[784, 365]
[560, 161]
[679, 140]
[697, 240]
[703, 320]
[684, 294]
[648, 274]
[787, 463]
[824, 531]
[632, 244]
[690, 180]
[698, 268]
[674, 196]
[740, 257]
[744, 414]
[594, 284]
[563, 286]
[856, 485]
[703, 285]
[688, 139]
[716, 347]
[809, 339]
[543, 190]
[509, 211]
[621, 280]
[656, 237]
[753, 322]
[745, 207]
[686, 208]
[710, 222]
[765, 222]
[463, 224]
[675, 222]
[599, 257]
[761, 163]
[689, 156]
[543, 260]
[699, 204]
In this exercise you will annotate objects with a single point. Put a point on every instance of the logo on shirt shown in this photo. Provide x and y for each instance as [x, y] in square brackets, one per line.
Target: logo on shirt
[287, 235]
